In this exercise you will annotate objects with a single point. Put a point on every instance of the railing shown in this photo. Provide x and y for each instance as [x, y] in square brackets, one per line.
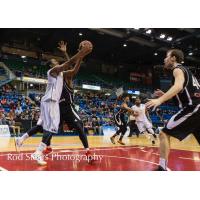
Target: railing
[7, 76]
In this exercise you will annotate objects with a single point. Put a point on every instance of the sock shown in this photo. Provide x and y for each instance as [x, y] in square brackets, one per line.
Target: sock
[152, 134]
[87, 149]
[150, 130]
[114, 135]
[24, 137]
[163, 163]
[152, 138]
[121, 137]
[41, 147]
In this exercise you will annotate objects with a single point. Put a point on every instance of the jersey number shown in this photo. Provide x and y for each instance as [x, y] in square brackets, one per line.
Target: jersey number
[195, 82]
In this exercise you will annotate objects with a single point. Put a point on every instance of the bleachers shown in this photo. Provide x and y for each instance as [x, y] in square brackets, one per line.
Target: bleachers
[21, 68]
[34, 68]
[14, 99]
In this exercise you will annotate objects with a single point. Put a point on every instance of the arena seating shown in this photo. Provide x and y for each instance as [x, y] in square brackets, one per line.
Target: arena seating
[100, 106]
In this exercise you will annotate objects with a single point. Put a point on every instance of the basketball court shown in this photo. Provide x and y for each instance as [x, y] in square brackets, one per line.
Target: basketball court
[137, 155]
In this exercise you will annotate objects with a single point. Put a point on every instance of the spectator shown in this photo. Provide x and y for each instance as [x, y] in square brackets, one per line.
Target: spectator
[2, 119]
[3, 101]
[96, 126]
[18, 110]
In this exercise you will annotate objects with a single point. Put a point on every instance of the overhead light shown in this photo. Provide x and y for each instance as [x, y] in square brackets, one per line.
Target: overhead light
[124, 45]
[162, 36]
[155, 54]
[80, 34]
[169, 38]
[107, 94]
[136, 28]
[148, 31]
[23, 56]
[190, 54]
[31, 85]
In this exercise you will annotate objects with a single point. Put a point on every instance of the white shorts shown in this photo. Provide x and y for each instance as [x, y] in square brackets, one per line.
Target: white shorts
[49, 116]
[144, 125]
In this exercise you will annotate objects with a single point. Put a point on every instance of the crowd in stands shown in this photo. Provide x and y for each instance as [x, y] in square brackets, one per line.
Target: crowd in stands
[103, 108]
[95, 109]
[15, 108]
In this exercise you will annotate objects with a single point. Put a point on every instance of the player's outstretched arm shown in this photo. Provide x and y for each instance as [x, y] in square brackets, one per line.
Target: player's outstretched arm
[72, 72]
[127, 108]
[85, 49]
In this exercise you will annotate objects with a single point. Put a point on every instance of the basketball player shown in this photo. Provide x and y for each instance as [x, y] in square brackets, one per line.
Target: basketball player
[120, 120]
[143, 123]
[62, 46]
[68, 113]
[50, 112]
[186, 90]
[133, 127]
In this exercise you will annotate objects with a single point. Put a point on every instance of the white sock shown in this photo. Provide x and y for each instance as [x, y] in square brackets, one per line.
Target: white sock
[24, 137]
[150, 130]
[152, 138]
[163, 163]
[41, 147]
[87, 149]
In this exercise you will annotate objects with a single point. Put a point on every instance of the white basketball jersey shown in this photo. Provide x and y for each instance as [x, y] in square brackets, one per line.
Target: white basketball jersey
[141, 111]
[54, 87]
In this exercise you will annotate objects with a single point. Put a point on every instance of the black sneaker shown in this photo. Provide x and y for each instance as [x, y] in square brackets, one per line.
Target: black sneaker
[112, 139]
[159, 168]
[120, 142]
[154, 135]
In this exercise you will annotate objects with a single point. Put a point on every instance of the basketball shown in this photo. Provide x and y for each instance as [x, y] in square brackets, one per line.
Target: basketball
[85, 43]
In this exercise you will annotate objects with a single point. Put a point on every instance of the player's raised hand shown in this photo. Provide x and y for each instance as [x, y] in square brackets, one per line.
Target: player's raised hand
[153, 103]
[158, 93]
[85, 47]
[62, 46]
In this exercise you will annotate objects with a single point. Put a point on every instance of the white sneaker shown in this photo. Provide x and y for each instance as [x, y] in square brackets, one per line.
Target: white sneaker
[39, 157]
[19, 142]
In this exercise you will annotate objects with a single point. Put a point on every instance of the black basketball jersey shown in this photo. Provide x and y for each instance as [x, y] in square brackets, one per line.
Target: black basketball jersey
[121, 114]
[67, 95]
[190, 94]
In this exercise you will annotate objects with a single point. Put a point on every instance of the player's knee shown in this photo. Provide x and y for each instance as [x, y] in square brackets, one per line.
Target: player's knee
[40, 128]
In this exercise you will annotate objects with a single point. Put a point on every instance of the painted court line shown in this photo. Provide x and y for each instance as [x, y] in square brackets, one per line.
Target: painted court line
[135, 159]
[75, 150]
[193, 159]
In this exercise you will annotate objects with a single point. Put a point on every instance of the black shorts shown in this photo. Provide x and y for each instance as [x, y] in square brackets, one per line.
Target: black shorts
[69, 115]
[184, 123]
[119, 122]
